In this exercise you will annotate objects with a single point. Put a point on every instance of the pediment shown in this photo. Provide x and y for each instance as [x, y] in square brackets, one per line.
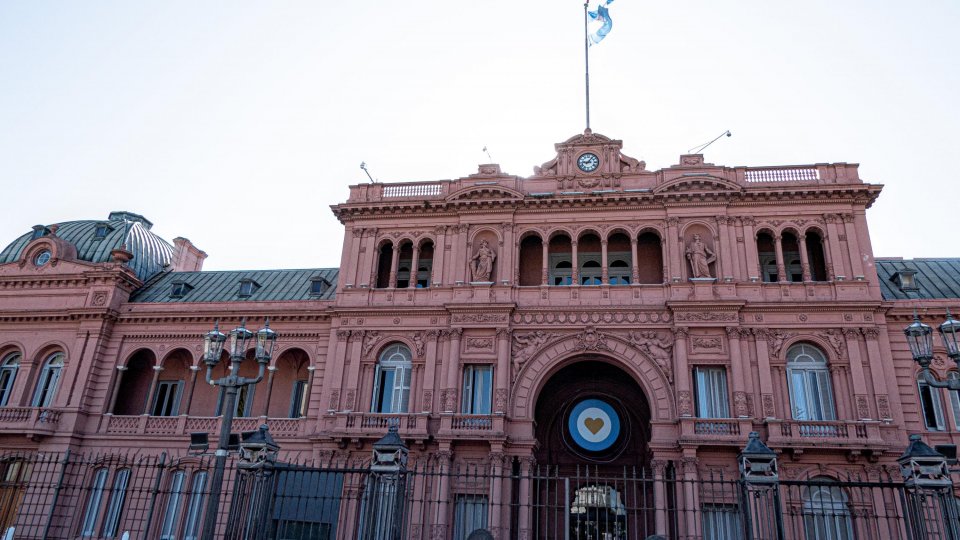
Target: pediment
[488, 192]
[612, 160]
[697, 183]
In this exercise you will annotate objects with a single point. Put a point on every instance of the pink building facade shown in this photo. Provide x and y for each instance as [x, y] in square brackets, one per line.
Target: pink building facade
[593, 314]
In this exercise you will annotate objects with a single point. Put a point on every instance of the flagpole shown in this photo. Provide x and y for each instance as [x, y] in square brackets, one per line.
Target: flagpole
[586, 60]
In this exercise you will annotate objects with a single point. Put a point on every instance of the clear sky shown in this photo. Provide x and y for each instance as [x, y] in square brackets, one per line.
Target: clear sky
[237, 124]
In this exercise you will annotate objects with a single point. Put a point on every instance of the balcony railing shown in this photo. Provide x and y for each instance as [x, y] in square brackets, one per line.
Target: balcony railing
[30, 420]
[836, 434]
[184, 425]
[713, 431]
[362, 425]
[716, 427]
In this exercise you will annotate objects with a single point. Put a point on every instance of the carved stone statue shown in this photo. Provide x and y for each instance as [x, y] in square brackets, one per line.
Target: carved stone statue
[481, 265]
[700, 257]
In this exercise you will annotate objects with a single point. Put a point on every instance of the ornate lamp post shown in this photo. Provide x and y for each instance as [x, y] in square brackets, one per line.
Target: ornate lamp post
[920, 339]
[213, 343]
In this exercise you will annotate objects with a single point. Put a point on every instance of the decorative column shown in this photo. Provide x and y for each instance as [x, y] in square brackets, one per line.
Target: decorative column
[190, 391]
[509, 251]
[673, 252]
[750, 249]
[853, 243]
[451, 392]
[736, 252]
[604, 272]
[116, 388]
[804, 258]
[659, 467]
[266, 406]
[545, 271]
[634, 264]
[414, 268]
[525, 502]
[896, 407]
[502, 372]
[763, 366]
[724, 250]
[153, 389]
[429, 381]
[876, 360]
[337, 358]
[439, 249]
[444, 456]
[575, 271]
[496, 493]
[354, 350]
[359, 255]
[737, 373]
[860, 400]
[394, 261]
[690, 488]
[682, 374]
[835, 267]
[781, 267]
[460, 256]
[311, 377]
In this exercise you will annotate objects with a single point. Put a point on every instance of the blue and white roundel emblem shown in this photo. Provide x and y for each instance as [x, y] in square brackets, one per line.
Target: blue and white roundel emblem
[594, 425]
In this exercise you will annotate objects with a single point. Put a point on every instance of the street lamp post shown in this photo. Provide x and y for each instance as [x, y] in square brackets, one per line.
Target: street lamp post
[213, 343]
[920, 339]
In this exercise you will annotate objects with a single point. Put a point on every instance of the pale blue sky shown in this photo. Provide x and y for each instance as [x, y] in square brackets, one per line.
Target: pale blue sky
[237, 124]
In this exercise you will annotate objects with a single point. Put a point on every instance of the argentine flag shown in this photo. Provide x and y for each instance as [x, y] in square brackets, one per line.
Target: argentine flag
[602, 16]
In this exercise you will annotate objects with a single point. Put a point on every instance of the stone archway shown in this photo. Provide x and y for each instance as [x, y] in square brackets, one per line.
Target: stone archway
[612, 348]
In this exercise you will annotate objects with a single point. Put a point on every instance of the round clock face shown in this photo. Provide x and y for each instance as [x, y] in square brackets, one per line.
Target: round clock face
[42, 258]
[588, 162]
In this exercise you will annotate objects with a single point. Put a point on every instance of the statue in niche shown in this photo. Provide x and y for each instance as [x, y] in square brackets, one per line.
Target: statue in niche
[700, 257]
[481, 265]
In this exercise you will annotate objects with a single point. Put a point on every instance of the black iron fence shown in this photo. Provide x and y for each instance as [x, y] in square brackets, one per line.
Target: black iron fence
[160, 496]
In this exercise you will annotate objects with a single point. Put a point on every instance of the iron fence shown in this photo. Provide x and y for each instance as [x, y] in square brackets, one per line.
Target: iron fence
[161, 496]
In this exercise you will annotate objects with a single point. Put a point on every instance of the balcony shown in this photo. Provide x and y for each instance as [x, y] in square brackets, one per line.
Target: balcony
[354, 426]
[798, 435]
[465, 426]
[33, 422]
[183, 425]
[715, 431]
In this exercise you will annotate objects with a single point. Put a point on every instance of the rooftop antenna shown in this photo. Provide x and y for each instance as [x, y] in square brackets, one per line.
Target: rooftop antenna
[702, 147]
[488, 154]
[363, 165]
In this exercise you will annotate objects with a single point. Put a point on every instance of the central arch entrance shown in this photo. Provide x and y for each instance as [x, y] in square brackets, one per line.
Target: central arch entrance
[593, 430]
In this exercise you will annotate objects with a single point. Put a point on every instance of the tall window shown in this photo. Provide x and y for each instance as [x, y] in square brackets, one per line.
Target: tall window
[470, 515]
[244, 404]
[477, 389]
[811, 394]
[955, 400]
[49, 378]
[931, 406]
[825, 513]
[8, 375]
[191, 527]
[391, 386]
[118, 496]
[166, 400]
[92, 511]
[298, 401]
[171, 516]
[619, 272]
[721, 522]
[711, 387]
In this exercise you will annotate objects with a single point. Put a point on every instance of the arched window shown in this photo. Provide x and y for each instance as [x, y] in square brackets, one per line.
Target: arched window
[619, 272]
[932, 407]
[826, 515]
[92, 512]
[766, 251]
[48, 380]
[191, 527]
[171, 516]
[811, 394]
[118, 496]
[955, 400]
[8, 375]
[391, 384]
[590, 272]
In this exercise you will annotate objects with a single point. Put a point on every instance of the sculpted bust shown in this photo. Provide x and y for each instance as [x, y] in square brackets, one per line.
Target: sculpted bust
[481, 265]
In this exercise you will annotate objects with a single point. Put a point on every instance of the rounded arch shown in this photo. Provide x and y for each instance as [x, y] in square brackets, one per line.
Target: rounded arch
[422, 240]
[527, 233]
[383, 242]
[645, 372]
[386, 342]
[815, 228]
[295, 357]
[702, 223]
[808, 339]
[11, 347]
[565, 231]
[617, 229]
[791, 228]
[139, 351]
[44, 351]
[652, 229]
[178, 354]
[765, 228]
[584, 231]
[485, 229]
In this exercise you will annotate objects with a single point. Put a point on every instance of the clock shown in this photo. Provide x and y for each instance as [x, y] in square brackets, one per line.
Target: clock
[588, 162]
